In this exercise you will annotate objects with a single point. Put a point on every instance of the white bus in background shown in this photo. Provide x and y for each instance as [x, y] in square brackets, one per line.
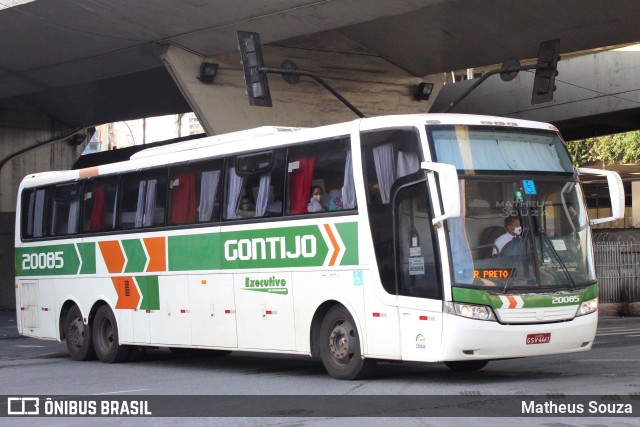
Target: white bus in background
[212, 244]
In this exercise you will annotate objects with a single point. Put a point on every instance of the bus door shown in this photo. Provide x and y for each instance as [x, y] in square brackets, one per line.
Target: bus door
[418, 275]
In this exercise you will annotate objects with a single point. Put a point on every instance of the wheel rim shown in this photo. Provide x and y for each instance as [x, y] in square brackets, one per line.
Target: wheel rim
[106, 335]
[76, 333]
[342, 342]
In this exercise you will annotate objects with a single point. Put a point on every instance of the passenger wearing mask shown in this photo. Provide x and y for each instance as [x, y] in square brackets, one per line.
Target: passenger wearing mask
[315, 201]
[512, 225]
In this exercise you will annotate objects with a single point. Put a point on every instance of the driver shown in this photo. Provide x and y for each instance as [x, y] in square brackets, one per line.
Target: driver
[512, 225]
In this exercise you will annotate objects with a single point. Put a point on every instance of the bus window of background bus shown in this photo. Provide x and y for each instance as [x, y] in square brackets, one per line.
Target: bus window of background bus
[254, 185]
[65, 209]
[142, 202]
[34, 212]
[388, 155]
[99, 207]
[194, 194]
[324, 164]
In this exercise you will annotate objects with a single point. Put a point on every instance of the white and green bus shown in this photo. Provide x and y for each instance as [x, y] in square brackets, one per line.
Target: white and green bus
[370, 240]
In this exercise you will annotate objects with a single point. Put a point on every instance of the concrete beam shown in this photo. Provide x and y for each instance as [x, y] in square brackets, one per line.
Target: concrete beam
[592, 92]
[372, 84]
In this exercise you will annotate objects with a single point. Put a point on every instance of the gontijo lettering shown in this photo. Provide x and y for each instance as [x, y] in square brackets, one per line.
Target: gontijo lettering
[270, 248]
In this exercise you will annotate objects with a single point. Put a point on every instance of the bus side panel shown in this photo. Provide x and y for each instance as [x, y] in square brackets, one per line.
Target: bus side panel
[381, 318]
[313, 288]
[213, 308]
[264, 303]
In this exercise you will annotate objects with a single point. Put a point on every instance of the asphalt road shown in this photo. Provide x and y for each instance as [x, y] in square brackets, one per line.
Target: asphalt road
[37, 367]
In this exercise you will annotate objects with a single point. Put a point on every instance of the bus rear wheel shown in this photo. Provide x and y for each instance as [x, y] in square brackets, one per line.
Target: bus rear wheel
[340, 346]
[105, 337]
[78, 336]
[466, 365]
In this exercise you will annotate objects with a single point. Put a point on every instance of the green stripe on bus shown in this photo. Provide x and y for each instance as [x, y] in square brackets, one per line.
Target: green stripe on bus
[150, 292]
[136, 258]
[194, 252]
[349, 234]
[88, 255]
[476, 296]
[53, 260]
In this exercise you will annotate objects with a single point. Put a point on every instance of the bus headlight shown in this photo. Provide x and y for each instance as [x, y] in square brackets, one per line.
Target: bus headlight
[588, 307]
[471, 311]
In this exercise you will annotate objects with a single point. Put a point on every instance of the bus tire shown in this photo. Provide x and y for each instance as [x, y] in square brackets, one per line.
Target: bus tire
[105, 337]
[78, 336]
[466, 365]
[340, 346]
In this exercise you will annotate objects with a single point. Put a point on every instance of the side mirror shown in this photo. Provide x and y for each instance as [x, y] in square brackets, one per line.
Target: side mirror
[616, 193]
[449, 190]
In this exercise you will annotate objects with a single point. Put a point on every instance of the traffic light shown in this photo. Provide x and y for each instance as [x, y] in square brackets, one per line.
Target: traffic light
[252, 62]
[546, 71]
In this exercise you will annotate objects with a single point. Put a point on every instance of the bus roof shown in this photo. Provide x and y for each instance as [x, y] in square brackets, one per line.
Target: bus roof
[270, 136]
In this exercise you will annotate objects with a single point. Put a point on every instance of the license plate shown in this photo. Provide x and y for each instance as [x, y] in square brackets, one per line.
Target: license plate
[539, 338]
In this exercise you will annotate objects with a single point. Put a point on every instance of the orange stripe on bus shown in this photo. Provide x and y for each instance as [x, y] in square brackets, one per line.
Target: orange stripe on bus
[512, 301]
[336, 248]
[87, 172]
[128, 295]
[156, 249]
[113, 256]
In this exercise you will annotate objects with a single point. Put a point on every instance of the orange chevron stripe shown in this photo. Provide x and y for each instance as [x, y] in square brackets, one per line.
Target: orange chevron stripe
[512, 301]
[113, 256]
[156, 248]
[336, 248]
[128, 295]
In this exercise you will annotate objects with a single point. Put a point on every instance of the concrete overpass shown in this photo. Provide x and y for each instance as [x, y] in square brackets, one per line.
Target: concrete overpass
[71, 64]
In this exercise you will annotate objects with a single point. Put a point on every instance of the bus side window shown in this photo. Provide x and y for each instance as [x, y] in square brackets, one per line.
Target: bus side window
[323, 167]
[194, 193]
[99, 207]
[142, 202]
[34, 213]
[254, 185]
[65, 210]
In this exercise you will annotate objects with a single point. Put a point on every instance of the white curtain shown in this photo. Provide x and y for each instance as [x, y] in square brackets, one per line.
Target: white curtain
[233, 193]
[74, 214]
[208, 190]
[263, 194]
[139, 220]
[349, 188]
[383, 159]
[408, 163]
[150, 203]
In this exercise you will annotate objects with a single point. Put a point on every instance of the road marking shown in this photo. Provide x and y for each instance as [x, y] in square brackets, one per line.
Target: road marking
[615, 333]
[609, 360]
[30, 346]
[122, 391]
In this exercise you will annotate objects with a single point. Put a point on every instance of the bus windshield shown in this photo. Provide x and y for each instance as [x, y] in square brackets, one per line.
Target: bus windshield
[509, 239]
[523, 223]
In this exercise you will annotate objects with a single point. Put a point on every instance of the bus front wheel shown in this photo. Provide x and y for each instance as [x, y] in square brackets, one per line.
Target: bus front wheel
[78, 336]
[466, 365]
[105, 337]
[340, 346]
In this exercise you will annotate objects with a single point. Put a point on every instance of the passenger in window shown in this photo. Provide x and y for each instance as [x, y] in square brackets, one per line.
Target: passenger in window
[512, 225]
[246, 208]
[335, 200]
[316, 203]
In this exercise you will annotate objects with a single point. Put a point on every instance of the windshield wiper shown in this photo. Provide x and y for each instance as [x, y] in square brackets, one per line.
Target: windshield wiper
[555, 253]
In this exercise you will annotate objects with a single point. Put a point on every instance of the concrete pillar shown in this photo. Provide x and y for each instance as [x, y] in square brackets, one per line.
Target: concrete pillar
[370, 83]
[20, 131]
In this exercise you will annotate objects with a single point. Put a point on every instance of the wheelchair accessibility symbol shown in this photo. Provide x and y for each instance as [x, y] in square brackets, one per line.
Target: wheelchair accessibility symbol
[357, 278]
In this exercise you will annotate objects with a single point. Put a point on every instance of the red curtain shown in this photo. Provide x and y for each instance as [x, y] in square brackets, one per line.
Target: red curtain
[97, 211]
[300, 185]
[183, 200]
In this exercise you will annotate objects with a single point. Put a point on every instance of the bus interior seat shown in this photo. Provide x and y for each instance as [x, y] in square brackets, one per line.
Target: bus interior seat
[487, 238]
